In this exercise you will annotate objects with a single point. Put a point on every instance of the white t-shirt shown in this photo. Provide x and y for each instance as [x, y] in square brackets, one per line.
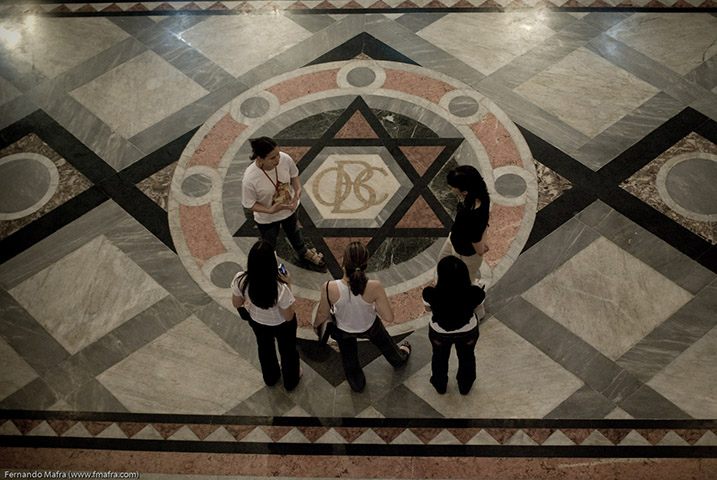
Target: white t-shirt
[353, 313]
[270, 316]
[257, 188]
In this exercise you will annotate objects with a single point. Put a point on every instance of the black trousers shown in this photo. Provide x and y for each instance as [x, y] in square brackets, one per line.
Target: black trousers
[270, 232]
[465, 343]
[348, 346]
[285, 336]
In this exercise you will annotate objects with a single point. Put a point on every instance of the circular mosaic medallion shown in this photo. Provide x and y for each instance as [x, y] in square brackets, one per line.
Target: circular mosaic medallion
[687, 185]
[373, 141]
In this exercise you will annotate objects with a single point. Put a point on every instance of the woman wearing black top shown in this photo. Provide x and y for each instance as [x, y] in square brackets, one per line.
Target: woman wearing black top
[453, 302]
[468, 237]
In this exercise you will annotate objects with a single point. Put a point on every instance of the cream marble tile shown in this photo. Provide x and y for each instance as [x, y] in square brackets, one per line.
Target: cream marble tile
[679, 41]
[690, 381]
[607, 297]
[515, 380]
[587, 92]
[189, 369]
[138, 94]
[87, 294]
[54, 45]
[238, 43]
[7, 91]
[15, 372]
[488, 41]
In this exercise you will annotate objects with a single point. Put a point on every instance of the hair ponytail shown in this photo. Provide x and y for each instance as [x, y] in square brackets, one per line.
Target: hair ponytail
[355, 264]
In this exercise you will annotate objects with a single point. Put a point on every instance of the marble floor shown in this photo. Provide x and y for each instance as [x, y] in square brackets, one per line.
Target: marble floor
[123, 142]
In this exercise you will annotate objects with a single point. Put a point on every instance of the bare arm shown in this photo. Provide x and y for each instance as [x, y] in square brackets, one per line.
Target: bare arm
[296, 185]
[288, 313]
[482, 247]
[237, 301]
[383, 307]
[257, 207]
[322, 313]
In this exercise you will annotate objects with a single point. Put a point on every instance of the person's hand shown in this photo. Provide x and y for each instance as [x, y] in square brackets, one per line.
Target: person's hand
[294, 204]
[279, 206]
[285, 278]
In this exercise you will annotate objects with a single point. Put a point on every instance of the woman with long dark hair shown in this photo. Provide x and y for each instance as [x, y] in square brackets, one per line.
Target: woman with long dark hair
[271, 189]
[454, 300]
[359, 305]
[468, 238]
[263, 297]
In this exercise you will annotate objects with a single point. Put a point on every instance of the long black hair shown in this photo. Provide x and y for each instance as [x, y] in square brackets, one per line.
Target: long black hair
[467, 179]
[261, 276]
[261, 147]
[355, 263]
[453, 278]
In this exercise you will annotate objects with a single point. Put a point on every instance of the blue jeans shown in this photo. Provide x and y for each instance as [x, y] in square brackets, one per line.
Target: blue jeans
[465, 343]
[348, 346]
[270, 231]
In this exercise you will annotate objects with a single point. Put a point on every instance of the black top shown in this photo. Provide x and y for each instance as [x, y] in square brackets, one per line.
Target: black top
[469, 228]
[455, 311]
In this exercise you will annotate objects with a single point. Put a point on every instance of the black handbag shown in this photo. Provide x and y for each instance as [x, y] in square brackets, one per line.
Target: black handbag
[328, 326]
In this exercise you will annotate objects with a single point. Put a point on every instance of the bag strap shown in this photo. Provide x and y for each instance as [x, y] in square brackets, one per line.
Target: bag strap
[331, 305]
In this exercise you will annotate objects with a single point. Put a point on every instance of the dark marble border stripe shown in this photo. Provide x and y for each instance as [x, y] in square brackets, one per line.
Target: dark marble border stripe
[610, 451]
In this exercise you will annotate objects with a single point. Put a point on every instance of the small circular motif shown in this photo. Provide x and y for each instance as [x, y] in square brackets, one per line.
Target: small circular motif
[361, 77]
[463, 106]
[692, 184]
[28, 182]
[255, 107]
[196, 185]
[510, 185]
[223, 274]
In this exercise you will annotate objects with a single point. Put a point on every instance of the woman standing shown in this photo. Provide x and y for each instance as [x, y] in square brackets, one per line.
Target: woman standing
[453, 301]
[358, 305]
[266, 295]
[267, 191]
[468, 237]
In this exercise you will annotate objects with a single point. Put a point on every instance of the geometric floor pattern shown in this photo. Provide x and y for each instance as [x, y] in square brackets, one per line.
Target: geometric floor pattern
[123, 141]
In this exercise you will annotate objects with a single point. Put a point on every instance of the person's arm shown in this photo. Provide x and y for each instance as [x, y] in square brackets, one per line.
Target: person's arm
[296, 185]
[237, 301]
[482, 247]
[383, 307]
[322, 313]
[288, 313]
[258, 207]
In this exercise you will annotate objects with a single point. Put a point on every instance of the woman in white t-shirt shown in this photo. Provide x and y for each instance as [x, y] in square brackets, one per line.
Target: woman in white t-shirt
[359, 305]
[267, 191]
[264, 294]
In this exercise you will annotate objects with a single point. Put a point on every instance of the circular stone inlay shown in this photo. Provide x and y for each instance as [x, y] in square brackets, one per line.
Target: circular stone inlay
[463, 106]
[196, 185]
[255, 107]
[691, 184]
[510, 185]
[223, 274]
[361, 77]
[26, 182]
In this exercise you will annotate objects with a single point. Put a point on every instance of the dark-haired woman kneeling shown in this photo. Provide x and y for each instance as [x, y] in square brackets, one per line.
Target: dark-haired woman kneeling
[266, 295]
[453, 301]
[359, 304]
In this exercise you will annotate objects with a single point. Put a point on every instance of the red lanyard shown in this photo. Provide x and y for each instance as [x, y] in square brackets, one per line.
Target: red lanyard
[276, 172]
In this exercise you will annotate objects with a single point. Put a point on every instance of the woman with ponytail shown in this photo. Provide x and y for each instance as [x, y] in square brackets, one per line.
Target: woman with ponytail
[359, 305]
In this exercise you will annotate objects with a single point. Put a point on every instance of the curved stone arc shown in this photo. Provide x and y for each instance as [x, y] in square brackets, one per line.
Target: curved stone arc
[662, 189]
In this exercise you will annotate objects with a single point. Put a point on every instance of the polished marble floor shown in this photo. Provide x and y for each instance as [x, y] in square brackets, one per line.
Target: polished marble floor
[123, 141]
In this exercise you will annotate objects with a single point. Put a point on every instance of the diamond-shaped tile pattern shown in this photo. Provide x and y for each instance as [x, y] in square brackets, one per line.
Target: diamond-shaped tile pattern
[78, 309]
[187, 370]
[131, 97]
[625, 298]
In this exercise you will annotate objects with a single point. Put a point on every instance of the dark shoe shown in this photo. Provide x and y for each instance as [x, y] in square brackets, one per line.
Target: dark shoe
[464, 390]
[439, 388]
[407, 345]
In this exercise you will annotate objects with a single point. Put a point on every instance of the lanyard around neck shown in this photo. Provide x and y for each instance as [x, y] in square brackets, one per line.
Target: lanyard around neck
[276, 173]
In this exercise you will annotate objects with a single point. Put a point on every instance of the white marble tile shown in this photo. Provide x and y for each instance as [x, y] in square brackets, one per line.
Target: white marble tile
[681, 41]
[7, 91]
[690, 381]
[587, 92]
[238, 43]
[138, 94]
[54, 45]
[189, 369]
[87, 294]
[515, 380]
[487, 41]
[607, 297]
[15, 372]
